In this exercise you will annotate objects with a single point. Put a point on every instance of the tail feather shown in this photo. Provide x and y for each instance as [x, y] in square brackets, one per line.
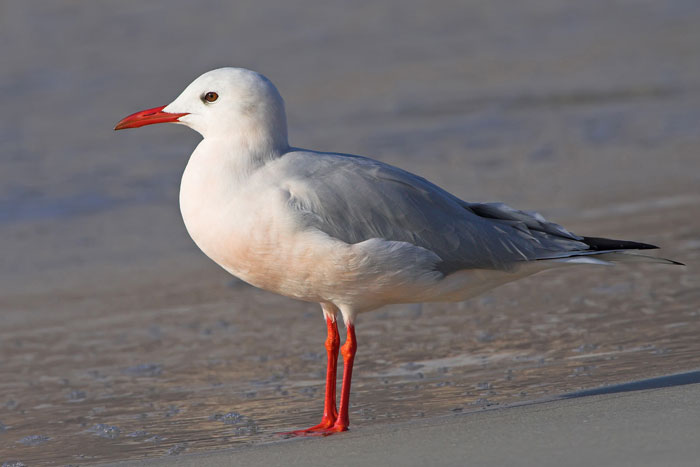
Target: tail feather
[610, 257]
[625, 257]
[608, 244]
[609, 251]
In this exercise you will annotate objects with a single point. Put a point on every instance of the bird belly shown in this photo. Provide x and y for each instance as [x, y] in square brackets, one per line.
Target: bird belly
[253, 233]
[283, 263]
[256, 240]
[268, 252]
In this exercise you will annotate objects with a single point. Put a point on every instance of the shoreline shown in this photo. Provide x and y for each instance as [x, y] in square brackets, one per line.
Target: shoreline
[647, 422]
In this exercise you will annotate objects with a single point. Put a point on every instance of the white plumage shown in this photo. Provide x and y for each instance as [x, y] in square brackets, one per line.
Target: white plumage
[345, 231]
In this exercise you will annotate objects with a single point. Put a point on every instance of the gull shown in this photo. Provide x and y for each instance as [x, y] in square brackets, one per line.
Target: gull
[348, 232]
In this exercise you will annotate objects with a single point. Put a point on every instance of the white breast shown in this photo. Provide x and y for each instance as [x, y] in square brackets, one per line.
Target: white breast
[242, 222]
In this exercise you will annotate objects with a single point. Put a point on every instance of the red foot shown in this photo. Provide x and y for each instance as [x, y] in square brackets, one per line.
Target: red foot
[322, 429]
[324, 425]
[332, 430]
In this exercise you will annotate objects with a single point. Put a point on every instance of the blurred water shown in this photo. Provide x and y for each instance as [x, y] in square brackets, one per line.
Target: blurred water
[119, 340]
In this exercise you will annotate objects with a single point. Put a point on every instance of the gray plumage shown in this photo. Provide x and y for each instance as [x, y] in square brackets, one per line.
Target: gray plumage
[353, 199]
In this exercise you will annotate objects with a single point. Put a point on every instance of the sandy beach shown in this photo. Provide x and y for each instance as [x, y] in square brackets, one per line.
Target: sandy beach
[622, 427]
[120, 341]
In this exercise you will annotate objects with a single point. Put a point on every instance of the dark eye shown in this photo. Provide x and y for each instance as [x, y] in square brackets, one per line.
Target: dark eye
[211, 96]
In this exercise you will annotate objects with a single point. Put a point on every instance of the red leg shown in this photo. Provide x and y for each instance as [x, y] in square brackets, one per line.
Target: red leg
[329, 412]
[348, 350]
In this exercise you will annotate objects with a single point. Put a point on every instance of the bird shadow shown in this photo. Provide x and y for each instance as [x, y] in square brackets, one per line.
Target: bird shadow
[679, 379]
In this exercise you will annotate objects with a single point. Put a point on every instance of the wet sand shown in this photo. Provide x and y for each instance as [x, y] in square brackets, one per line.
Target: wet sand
[650, 427]
[119, 340]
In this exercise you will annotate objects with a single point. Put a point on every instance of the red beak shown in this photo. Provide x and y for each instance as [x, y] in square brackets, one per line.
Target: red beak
[148, 117]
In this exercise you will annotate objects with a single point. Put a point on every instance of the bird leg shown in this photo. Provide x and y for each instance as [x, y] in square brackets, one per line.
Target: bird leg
[348, 351]
[342, 419]
[329, 411]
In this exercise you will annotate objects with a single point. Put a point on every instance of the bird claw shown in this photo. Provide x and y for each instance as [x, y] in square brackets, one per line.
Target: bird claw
[322, 429]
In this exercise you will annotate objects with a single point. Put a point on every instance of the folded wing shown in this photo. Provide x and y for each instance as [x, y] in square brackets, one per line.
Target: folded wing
[353, 199]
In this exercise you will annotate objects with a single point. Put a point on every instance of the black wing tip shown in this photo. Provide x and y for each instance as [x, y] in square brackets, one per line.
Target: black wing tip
[603, 244]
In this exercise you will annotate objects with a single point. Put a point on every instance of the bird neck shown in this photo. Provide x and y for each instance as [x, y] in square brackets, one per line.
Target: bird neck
[237, 157]
[256, 139]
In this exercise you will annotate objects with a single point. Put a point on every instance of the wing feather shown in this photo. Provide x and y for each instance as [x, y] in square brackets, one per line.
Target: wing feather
[353, 199]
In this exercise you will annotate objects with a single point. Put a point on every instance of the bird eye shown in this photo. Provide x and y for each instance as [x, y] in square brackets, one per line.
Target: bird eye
[211, 96]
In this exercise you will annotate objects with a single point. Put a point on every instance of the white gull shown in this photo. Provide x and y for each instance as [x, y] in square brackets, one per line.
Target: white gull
[348, 232]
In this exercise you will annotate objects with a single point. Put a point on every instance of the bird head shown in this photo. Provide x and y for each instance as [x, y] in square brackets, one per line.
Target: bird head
[227, 103]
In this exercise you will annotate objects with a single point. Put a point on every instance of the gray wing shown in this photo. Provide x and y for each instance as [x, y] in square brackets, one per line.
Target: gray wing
[353, 199]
